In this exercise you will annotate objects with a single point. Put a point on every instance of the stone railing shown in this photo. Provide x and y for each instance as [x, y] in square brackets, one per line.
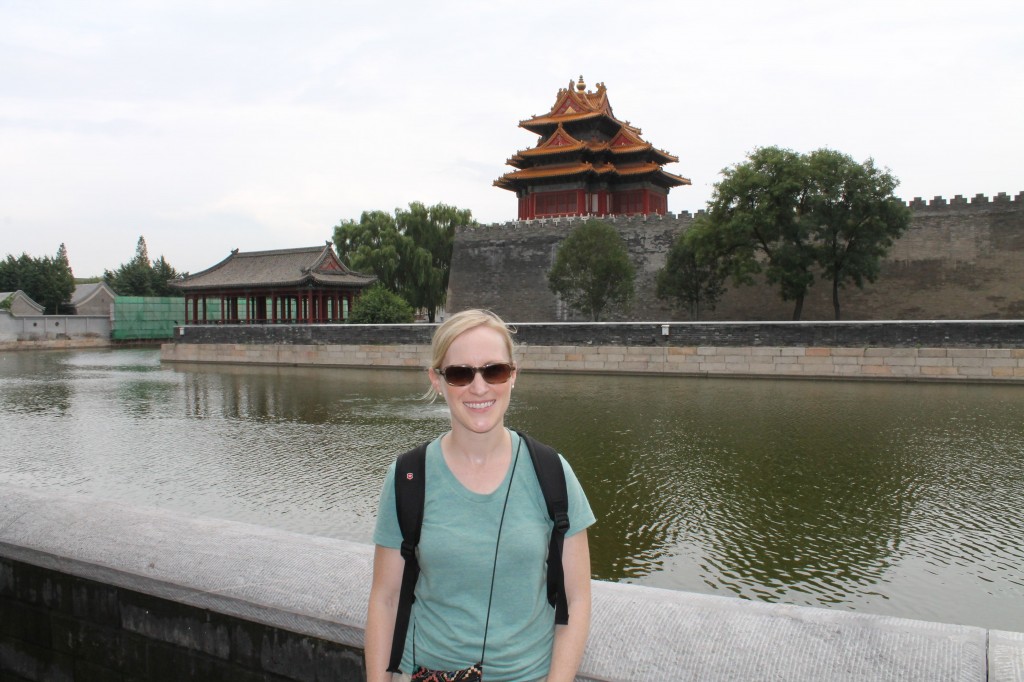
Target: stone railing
[97, 590]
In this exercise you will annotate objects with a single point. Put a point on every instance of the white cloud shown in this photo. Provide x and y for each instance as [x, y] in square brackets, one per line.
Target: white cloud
[210, 126]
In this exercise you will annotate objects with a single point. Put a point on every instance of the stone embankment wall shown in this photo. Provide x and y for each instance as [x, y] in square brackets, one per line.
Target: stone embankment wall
[93, 590]
[951, 351]
[960, 259]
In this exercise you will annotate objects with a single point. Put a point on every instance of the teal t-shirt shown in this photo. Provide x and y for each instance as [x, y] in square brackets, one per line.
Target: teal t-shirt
[456, 555]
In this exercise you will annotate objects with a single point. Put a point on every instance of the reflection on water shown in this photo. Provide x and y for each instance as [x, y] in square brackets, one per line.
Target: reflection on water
[900, 499]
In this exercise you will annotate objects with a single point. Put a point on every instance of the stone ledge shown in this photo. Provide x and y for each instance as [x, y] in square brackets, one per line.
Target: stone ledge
[319, 587]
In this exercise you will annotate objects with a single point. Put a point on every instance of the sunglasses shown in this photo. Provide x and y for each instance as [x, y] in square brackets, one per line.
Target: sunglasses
[463, 375]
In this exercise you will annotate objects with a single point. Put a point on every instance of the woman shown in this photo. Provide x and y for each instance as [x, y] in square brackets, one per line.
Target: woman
[485, 529]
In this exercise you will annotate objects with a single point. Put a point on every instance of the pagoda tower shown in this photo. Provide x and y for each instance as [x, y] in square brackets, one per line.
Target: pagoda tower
[587, 162]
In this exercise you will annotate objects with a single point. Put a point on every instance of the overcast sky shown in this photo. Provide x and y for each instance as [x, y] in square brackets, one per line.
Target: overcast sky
[206, 126]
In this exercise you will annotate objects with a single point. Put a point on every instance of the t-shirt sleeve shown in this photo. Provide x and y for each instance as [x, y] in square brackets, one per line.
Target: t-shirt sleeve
[581, 516]
[387, 532]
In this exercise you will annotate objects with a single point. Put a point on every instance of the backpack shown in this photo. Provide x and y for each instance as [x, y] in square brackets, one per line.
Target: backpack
[410, 468]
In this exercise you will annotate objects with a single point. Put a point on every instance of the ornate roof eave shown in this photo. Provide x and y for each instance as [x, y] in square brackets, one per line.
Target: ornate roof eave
[276, 268]
[512, 181]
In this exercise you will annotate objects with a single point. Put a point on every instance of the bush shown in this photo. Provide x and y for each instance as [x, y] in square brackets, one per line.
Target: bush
[377, 305]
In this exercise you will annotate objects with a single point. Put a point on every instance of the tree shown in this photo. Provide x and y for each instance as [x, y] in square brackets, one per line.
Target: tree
[432, 231]
[592, 269]
[163, 273]
[409, 252]
[695, 271]
[373, 244]
[856, 218]
[140, 277]
[378, 305]
[784, 214]
[48, 281]
[58, 282]
[756, 211]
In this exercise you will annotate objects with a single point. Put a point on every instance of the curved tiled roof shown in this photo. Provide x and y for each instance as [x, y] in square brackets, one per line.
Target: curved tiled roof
[650, 168]
[282, 267]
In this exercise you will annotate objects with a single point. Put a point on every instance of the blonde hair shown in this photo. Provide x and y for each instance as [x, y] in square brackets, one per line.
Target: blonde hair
[462, 322]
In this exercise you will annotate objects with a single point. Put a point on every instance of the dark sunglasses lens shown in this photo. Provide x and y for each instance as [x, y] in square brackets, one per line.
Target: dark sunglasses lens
[458, 375]
[497, 374]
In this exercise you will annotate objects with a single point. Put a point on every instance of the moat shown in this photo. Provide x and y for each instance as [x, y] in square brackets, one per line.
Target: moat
[898, 499]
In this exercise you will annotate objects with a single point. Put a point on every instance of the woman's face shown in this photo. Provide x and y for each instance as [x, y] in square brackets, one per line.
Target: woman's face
[478, 407]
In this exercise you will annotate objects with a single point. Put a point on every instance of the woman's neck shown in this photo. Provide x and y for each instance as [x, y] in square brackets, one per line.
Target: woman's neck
[479, 462]
[477, 449]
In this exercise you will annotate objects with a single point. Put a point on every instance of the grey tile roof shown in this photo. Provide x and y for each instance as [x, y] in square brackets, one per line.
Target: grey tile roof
[83, 291]
[283, 267]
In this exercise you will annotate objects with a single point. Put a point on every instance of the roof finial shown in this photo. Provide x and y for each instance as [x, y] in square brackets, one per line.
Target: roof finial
[581, 86]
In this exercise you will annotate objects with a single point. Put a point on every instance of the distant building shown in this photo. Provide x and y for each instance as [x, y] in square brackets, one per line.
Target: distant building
[304, 285]
[588, 162]
[92, 299]
[19, 303]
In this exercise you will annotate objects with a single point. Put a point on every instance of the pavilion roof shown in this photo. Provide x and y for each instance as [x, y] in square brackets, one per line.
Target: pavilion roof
[561, 142]
[575, 103]
[600, 169]
[607, 148]
[280, 268]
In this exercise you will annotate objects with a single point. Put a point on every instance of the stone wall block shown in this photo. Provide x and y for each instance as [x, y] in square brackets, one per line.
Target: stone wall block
[973, 371]
[898, 360]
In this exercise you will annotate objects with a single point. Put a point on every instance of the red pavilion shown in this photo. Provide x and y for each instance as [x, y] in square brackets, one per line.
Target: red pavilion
[588, 162]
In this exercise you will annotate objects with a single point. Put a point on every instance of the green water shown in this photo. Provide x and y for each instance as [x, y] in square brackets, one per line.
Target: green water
[899, 499]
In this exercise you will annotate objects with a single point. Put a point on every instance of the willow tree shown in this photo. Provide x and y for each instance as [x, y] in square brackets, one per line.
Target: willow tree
[410, 252]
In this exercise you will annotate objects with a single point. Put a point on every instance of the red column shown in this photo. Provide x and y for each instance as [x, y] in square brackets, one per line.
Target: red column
[647, 201]
[204, 309]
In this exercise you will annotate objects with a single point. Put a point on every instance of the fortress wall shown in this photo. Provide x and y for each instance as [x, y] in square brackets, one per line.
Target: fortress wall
[960, 259]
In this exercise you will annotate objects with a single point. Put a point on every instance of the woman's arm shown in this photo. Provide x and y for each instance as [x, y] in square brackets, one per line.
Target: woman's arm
[388, 566]
[570, 639]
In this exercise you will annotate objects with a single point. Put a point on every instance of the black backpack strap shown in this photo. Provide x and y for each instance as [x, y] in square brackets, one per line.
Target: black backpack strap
[551, 476]
[410, 475]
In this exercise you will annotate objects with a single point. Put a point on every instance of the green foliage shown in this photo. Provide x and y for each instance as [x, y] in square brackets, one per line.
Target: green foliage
[409, 252]
[47, 281]
[856, 218]
[788, 215]
[592, 270]
[379, 305]
[695, 272]
[140, 277]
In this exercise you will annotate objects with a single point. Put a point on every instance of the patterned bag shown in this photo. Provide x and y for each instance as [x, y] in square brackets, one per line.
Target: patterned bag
[474, 673]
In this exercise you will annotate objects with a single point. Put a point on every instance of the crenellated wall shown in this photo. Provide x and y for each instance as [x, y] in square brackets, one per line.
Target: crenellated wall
[960, 259]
